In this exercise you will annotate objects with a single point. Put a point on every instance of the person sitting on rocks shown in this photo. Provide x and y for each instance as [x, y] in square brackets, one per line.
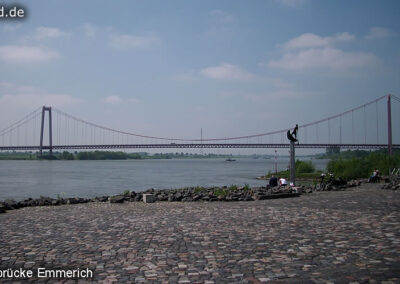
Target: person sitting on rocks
[273, 181]
[283, 182]
[375, 176]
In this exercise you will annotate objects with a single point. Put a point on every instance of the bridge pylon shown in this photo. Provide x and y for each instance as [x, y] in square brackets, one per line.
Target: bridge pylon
[44, 109]
[389, 114]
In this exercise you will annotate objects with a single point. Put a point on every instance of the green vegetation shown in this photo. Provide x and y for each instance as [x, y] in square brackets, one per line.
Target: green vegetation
[199, 189]
[225, 191]
[104, 155]
[17, 156]
[220, 192]
[363, 167]
[304, 169]
[233, 187]
[335, 153]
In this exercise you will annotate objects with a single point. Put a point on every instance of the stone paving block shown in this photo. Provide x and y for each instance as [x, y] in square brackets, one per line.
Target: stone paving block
[340, 236]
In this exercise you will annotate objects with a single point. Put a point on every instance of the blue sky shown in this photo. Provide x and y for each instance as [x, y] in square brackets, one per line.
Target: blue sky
[169, 68]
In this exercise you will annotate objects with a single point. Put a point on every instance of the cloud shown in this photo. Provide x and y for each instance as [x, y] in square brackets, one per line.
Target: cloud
[278, 94]
[328, 57]
[378, 33]
[126, 41]
[112, 100]
[27, 97]
[26, 54]
[222, 16]
[42, 33]
[267, 96]
[89, 30]
[308, 40]
[310, 51]
[226, 72]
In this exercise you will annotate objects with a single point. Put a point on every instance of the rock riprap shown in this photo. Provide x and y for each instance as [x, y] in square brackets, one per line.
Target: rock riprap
[189, 194]
[393, 184]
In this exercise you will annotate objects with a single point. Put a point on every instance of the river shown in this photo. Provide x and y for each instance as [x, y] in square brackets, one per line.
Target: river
[22, 179]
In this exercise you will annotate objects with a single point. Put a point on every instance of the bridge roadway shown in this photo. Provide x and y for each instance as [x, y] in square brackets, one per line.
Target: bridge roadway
[194, 145]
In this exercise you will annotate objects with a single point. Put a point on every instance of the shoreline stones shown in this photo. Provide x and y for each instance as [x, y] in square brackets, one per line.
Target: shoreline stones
[393, 183]
[189, 194]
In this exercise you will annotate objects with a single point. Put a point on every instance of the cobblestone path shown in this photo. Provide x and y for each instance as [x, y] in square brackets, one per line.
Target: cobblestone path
[340, 237]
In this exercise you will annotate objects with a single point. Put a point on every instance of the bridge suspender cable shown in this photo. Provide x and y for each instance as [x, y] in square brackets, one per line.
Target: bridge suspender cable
[282, 131]
[33, 116]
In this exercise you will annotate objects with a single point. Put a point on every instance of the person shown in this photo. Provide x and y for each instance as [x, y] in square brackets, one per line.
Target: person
[322, 177]
[273, 181]
[282, 182]
[375, 176]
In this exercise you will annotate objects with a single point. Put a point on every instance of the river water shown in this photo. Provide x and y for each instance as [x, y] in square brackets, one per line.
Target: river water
[22, 179]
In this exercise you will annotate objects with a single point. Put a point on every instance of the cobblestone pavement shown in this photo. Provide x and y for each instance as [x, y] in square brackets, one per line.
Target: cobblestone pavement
[341, 237]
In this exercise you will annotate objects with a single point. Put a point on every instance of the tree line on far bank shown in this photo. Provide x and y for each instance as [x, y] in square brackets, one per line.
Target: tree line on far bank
[105, 155]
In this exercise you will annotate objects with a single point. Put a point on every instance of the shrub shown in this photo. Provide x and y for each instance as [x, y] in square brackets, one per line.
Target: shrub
[363, 167]
[303, 167]
[233, 187]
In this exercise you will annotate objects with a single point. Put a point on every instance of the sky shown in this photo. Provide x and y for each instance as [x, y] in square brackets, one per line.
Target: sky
[171, 68]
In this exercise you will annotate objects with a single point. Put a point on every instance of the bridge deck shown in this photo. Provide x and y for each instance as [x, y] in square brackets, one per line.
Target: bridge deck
[193, 145]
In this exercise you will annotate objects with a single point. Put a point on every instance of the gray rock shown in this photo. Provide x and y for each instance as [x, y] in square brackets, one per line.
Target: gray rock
[10, 204]
[117, 199]
[148, 198]
[2, 208]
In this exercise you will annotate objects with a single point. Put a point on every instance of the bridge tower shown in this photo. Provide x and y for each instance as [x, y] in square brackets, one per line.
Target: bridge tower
[389, 113]
[44, 109]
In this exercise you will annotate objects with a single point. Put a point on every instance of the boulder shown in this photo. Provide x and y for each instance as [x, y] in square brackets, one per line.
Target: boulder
[101, 198]
[139, 197]
[45, 201]
[10, 204]
[2, 209]
[117, 199]
[148, 198]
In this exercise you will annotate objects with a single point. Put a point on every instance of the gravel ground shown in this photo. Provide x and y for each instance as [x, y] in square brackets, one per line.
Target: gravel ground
[323, 237]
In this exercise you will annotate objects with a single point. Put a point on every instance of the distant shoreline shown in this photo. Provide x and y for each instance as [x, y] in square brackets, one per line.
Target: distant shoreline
[112, 155]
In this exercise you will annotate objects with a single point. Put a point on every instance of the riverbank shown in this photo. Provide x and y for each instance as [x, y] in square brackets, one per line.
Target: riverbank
[337, 236]
[188, 194]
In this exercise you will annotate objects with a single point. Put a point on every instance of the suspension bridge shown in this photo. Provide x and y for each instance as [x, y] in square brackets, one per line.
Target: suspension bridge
[368, 126]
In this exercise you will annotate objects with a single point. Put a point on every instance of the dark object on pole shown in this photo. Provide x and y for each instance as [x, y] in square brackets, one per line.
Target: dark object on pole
[294, 133]
[389, 113]
[290, 137]
[292, 165]
[44, 109]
